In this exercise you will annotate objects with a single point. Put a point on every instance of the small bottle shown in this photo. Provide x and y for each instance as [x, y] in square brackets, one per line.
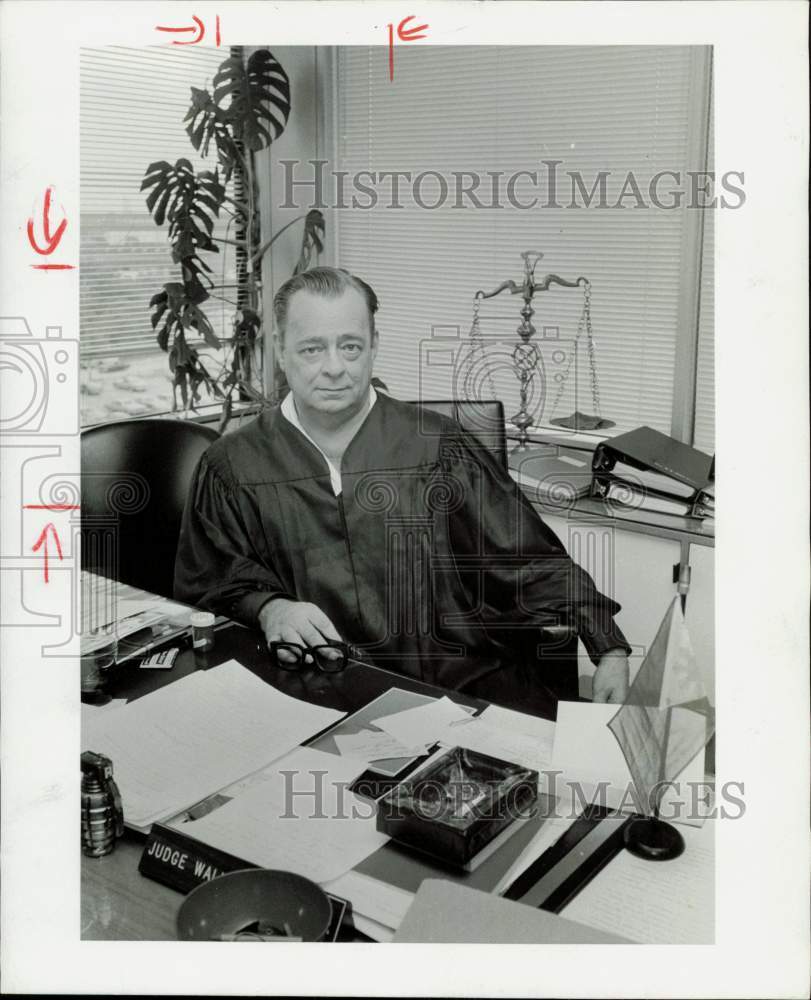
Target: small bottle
[202, 631]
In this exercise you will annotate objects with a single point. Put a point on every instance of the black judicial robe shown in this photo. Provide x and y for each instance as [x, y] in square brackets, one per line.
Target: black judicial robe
[431, 560]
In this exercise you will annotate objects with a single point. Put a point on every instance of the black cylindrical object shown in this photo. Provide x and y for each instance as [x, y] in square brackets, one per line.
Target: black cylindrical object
[102, 815]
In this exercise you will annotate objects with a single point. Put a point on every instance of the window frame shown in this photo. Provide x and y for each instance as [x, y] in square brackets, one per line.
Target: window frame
[683, 408]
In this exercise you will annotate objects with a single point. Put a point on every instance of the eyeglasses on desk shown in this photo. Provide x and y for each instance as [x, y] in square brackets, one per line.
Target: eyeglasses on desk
[331, 657]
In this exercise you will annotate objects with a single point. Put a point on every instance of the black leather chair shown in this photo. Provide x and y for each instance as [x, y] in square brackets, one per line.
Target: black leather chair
[135, 479]
[482, 418]
[485, 420]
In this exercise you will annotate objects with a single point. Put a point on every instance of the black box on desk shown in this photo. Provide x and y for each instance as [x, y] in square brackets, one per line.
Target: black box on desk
[458, 806]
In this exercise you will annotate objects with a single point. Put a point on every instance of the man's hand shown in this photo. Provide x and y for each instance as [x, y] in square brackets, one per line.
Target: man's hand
[296, 621]
[611, 677]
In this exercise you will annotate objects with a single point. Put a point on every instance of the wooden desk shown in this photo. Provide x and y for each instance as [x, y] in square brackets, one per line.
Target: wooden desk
[118, 903]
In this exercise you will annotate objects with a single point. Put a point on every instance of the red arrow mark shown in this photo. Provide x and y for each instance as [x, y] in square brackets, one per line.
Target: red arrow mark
[51, 239]
[200, 27]
[404, 34]
[42, 543]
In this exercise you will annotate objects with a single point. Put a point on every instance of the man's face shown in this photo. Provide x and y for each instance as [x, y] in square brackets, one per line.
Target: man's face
[328, 352]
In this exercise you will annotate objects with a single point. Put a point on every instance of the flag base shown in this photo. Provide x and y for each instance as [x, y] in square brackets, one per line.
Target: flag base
[653, 839]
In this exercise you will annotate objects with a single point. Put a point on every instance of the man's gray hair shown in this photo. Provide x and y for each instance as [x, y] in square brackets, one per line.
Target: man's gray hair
[327, 281]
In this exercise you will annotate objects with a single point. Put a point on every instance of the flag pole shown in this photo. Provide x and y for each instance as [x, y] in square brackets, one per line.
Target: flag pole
[663, 761]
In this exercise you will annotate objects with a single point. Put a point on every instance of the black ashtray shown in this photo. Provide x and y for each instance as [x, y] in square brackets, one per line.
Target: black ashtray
[458, 805]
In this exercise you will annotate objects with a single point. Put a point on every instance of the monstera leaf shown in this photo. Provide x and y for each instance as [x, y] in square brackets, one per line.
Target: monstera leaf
[207, 122]
[189, 202]
[174, 313]
[246, 109]
[167, 305]
[177, 190]
[255, 98]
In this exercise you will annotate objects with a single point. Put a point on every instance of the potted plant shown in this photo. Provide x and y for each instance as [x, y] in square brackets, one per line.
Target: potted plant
[247, 110]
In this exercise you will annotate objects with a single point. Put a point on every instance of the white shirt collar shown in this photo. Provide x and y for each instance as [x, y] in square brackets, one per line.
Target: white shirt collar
[288, 409]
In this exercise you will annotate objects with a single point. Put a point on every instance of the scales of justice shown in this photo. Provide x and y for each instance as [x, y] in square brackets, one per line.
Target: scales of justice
[526, 358]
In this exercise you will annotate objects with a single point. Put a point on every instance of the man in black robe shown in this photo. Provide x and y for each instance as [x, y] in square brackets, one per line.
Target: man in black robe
[346, 515]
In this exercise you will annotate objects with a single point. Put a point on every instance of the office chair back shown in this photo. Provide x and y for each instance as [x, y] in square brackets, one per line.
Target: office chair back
[484, 419]
[135, 479]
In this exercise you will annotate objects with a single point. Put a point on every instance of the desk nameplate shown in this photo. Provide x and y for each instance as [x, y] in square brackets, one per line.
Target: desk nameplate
[182, 863]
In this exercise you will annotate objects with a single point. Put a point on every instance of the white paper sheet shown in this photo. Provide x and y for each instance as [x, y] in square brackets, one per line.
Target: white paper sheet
[303, 819]
[368, 745]
[587, 752]
[529, 725]
[91, 711]
[172, 748]
[511, 736]
[339, 770]
[655, 902]
[385, 904]
[449, 913]
[424, 724]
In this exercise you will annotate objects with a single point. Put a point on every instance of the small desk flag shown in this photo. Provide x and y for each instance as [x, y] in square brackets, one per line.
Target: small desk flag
[668, 715]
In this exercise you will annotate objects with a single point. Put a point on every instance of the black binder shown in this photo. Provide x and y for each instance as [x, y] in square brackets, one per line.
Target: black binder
[661, 463]
[703, 505]
[627, 493]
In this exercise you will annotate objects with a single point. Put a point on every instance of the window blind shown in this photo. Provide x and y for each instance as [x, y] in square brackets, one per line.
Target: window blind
[704, 430]
[617, 109]
[132, 105]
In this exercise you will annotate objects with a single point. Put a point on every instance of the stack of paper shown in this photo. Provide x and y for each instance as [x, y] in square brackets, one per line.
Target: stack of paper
[552, 474]
[507, 735]
[189, 739]
[301, 818]
[423, 725]
[499, 732]
[377, 907]
[140, 603]
[120, 629]
[111, 609]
